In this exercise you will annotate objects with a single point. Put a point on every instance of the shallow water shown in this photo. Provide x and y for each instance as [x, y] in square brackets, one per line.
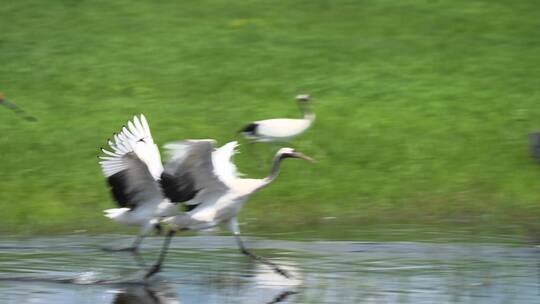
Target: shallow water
[209, 269]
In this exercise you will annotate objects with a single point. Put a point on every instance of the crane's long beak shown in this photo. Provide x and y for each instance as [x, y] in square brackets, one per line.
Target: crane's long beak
[303, 156]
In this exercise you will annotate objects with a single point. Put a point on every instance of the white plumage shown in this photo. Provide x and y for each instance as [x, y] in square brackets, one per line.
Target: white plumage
[133, 169]
[137, 139]
[281, 129]
[222, 192]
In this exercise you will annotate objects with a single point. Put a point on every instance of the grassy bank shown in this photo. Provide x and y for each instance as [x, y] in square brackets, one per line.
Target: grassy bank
[423, 107]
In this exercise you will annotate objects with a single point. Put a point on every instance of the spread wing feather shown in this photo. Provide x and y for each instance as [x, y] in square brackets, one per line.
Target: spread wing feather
[133, 165]
[190, 170]
[133, 185]
[224, 169]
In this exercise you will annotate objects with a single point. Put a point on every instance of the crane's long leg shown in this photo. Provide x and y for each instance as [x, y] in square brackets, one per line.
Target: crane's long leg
[260, 259]
[233, 225]
[157, 266]
[134, 248]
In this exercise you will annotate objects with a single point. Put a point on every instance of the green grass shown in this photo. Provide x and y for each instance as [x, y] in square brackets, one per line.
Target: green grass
[423, 106]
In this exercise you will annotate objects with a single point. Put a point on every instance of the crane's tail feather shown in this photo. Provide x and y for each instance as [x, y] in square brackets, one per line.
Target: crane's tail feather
[249, 129]
[115, 213]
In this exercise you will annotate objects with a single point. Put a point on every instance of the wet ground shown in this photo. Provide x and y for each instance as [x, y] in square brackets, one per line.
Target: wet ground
[209, 269]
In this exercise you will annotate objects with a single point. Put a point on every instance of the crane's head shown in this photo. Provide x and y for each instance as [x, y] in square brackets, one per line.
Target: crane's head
[291, 153]
[303, 98]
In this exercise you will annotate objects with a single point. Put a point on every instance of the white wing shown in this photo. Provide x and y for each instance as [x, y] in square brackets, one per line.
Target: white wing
[133, 165]
[136, 138]
[224, 168]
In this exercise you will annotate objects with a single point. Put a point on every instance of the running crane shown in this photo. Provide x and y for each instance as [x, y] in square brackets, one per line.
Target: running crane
[197, 166]
[133, 170]
[198, 175]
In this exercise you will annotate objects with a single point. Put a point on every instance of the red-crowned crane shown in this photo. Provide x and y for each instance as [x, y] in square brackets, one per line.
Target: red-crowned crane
[197, 174]
[133, 169]
[197, 164]
[281, 129]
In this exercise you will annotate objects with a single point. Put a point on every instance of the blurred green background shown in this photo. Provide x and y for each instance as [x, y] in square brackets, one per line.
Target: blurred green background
[423, 106]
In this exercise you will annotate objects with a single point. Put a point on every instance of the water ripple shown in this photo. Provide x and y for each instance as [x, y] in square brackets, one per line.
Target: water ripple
[209, 269]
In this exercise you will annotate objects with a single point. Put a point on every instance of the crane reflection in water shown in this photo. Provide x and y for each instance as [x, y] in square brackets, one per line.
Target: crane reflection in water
[263, 286]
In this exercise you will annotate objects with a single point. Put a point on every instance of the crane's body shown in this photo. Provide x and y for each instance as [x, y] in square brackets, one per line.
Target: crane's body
[277, 130]
[281, 129]
[218, 208]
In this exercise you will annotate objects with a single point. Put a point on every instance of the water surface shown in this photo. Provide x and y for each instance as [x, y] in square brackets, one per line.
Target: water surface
[209, 269]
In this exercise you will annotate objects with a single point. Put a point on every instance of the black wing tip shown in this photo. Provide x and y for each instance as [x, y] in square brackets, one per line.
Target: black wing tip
[250, 128]
[117, 184]
[178, 188]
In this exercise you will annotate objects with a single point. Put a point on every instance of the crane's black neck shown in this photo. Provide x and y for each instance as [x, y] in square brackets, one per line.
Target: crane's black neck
[274, 172]
[305, 108]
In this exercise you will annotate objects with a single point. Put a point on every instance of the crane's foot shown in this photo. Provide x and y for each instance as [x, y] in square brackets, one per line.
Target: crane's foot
[153, 270]
[265, 261]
